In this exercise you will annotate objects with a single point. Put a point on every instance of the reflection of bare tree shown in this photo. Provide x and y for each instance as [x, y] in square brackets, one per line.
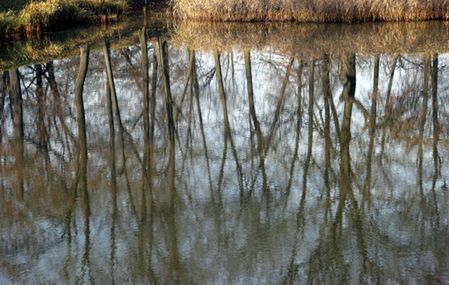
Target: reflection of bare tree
[15, 94]
[435, 215]
[332, 247]
[188, 136]
[121, 130]
[388, 102]
[435, 112]
[175, 267]
[3, 94]
[168, 100]
[149, 109]
[292, 271]
[329, 234]
[196, 91]
[67, 134]
[255, 121]
[82, 161]
[113, 173]
[276, 116]
[227, 128]
[349, 85]
[327, 93]
[298, 115]
[41, 127]
[310, 106]
[422, 123]
[265, 143]
[372, 132]
[146, 123]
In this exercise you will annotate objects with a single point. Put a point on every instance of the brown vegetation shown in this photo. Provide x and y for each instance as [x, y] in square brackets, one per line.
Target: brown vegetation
[302, 41]
[312, 11]
[38, 16]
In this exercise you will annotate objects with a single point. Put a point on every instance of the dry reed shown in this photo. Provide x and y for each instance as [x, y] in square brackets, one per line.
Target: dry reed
[51, 13]
[317, 11]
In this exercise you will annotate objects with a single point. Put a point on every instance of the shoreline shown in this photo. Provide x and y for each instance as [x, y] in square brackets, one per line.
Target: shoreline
[300, 41]
[37, 18]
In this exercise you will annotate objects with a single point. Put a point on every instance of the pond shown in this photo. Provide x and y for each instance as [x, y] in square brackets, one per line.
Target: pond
[201, 153]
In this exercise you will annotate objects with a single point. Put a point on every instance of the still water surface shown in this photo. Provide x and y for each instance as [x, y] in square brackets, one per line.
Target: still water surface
[244, 156]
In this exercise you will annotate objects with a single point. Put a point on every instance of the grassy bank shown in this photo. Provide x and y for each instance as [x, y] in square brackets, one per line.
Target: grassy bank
[312, 10]
[50, 15]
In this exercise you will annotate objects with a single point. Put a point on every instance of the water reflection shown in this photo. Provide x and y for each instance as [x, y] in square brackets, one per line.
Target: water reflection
[156, 163]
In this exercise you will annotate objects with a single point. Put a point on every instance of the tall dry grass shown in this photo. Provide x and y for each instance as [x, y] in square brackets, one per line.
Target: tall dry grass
[312, 10]
[37, 16]
[50, 13]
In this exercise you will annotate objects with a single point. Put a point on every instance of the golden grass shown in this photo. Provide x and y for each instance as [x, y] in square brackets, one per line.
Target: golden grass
[38, 16]
[317, 11]
[50, 13]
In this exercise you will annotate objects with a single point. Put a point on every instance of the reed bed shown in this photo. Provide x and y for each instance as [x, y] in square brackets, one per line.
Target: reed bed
[317, 11]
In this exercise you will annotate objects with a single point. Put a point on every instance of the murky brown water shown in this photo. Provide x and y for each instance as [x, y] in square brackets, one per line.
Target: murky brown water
[247, 161]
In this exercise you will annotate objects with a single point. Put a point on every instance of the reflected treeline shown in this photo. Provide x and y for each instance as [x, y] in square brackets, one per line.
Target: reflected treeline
[154, 164]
